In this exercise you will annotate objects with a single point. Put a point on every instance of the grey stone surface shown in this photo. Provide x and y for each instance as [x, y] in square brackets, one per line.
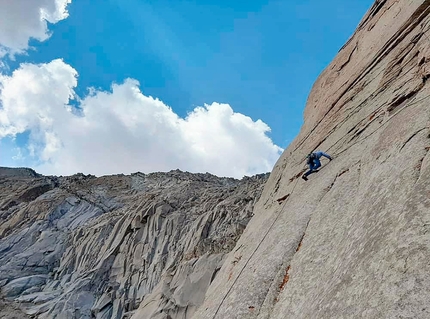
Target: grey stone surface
[11, 311]
[353, 241]
[19, 285]
[18, 172]
[115, 246]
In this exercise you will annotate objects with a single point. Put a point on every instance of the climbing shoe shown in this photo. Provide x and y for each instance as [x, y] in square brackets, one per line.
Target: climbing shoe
[304, 177]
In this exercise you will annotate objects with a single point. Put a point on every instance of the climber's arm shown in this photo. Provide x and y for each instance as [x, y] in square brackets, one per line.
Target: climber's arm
[325, 155]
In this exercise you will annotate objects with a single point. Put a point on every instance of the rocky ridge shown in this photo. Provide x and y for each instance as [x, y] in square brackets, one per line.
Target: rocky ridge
[139, 246]
[352, 242]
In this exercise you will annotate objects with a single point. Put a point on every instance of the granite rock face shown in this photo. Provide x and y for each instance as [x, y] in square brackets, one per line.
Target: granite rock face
[353, 241]
[139, 246]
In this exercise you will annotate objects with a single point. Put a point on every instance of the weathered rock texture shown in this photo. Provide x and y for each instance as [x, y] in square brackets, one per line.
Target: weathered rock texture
[353, 241]
[139, 246]
[11, 311]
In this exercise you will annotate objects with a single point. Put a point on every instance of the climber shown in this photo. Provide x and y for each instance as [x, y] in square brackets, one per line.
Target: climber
[313, 160]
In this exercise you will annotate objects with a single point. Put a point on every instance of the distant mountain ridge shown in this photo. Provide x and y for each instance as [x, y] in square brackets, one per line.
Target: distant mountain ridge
[351, 242]
[87, 247]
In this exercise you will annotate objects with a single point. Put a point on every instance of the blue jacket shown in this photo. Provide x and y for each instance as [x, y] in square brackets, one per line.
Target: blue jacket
[319, 154]
[315, 162]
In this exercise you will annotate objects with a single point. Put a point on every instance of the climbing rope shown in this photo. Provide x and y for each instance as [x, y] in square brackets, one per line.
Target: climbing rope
[255, 250]
[297, 179]
[375, 91]
[292, 191]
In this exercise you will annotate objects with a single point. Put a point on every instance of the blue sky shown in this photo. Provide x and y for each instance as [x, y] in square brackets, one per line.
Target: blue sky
[260, 57]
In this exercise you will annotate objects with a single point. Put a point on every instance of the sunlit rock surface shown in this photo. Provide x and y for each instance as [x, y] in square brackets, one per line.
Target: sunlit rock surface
[87, 247]
[353, 241]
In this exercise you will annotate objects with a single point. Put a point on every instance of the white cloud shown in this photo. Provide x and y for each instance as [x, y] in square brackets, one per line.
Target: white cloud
[124, 131]
[18, 157]
[21, 20]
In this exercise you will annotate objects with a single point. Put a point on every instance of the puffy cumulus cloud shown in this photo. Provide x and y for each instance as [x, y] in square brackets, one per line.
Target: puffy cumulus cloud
[124, 131]
[32, 99]
[21, 20]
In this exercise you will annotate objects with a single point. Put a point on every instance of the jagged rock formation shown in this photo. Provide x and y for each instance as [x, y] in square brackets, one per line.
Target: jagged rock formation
[353, 241]
[11, 311]
[139, 246]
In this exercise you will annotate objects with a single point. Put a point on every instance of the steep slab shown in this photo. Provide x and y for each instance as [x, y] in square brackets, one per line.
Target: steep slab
[353, 241]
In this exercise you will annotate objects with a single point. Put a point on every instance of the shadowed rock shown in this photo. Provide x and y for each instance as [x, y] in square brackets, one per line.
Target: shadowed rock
[114, 246]
[352, 242]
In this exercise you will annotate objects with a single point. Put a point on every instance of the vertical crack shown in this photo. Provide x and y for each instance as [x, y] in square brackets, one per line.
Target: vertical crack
[419, 166]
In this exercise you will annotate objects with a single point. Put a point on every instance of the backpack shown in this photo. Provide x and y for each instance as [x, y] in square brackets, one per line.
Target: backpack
[311, 157]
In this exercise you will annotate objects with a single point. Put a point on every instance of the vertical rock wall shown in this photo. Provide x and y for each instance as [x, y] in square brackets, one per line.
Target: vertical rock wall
[353, 241]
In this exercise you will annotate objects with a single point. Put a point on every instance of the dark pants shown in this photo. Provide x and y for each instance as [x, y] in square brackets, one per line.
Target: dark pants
[313, 167]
